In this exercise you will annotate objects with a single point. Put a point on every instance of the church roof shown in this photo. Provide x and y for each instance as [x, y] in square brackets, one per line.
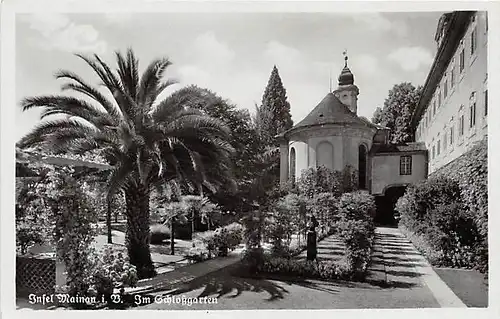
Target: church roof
[331, 111]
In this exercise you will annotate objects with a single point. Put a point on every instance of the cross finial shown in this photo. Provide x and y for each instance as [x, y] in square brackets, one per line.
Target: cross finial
[345, 56]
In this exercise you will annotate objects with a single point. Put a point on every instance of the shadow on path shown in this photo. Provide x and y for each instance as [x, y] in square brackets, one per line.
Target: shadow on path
[397, 260]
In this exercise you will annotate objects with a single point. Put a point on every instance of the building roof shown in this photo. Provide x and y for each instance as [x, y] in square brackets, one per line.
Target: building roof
[457, 23]
[398, 148]
[331, 111]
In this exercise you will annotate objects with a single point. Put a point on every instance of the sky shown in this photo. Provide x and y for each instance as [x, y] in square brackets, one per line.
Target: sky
[232, 54]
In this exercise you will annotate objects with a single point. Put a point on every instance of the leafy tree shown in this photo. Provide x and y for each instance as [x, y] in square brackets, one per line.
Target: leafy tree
[397, 111]
[232, 196]
[147, 142]
[377, 116]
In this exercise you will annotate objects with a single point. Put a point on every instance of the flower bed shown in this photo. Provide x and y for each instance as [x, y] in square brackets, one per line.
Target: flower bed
[305, 269]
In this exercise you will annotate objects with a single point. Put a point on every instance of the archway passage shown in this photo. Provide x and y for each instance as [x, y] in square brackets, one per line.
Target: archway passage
[386, 204]
[362, 167]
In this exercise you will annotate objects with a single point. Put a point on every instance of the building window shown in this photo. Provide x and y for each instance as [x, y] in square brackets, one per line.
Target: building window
[451, 135]
[292, 164]
[473, 41]
[462, 60]
[453, 75]
[439, 99]
[445, 140]
[472, 121]
[405, 165]
[433, 151]
[461, 126]
[485, 102]
[434, 105]
[439, 148]
[362, 167]
[472, 109]
[445, 89]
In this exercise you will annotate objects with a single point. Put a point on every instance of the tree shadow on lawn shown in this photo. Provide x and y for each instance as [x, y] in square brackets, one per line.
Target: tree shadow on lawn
[232, 282]
[224, 282]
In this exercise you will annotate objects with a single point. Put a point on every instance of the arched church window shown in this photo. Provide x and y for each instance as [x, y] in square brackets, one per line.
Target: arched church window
[324, 155]
[362, 166]
[292, 163]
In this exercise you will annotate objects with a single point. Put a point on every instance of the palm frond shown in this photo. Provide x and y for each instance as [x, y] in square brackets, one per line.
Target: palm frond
[40, 132]
[83, 87]
[65, 105]
[112, 84]
[150, 82]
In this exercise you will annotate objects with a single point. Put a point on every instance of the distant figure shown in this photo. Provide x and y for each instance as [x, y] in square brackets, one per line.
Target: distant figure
[312, 250]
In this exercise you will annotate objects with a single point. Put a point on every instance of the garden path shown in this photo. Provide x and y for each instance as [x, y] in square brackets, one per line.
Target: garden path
[399, 278]
[329, 249]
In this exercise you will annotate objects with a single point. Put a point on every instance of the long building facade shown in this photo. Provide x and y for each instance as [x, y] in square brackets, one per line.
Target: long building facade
[452, 113]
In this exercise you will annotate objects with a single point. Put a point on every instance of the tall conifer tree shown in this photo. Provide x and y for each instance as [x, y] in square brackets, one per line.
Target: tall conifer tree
[275, 105]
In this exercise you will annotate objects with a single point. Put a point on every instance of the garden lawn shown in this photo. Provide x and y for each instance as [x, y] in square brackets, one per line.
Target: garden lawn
[469, 285]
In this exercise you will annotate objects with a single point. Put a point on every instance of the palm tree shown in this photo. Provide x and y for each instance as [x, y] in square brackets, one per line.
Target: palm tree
[148, 142]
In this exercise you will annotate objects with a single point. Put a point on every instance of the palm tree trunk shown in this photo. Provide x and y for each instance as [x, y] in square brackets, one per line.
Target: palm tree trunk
[137, 237]
[192, 222]
[108, 221]
[172, 236]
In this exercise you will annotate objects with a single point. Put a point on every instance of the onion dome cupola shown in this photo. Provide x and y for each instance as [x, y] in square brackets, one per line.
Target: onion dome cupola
[347, 92]
[346, 77]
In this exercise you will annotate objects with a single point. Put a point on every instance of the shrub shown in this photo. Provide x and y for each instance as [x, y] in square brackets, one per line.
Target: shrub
[34, 217]
[253, 259]
[324, 207]
[441, 225]
[112, 270]
[419, 199]
[281, 223]
[357, 230]
[318, 180]
[471, 172]
[222, 239]
[159, 233]
[198, 254]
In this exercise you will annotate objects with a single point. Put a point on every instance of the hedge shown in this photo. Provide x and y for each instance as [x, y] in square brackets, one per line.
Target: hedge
[471, 172]
[446, 215]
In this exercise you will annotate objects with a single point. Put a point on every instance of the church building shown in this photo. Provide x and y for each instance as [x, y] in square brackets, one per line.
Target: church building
[334, 136]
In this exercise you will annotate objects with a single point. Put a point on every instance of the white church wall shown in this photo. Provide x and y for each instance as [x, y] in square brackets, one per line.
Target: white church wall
[335, 156]
[386, 171]
[301, 151]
